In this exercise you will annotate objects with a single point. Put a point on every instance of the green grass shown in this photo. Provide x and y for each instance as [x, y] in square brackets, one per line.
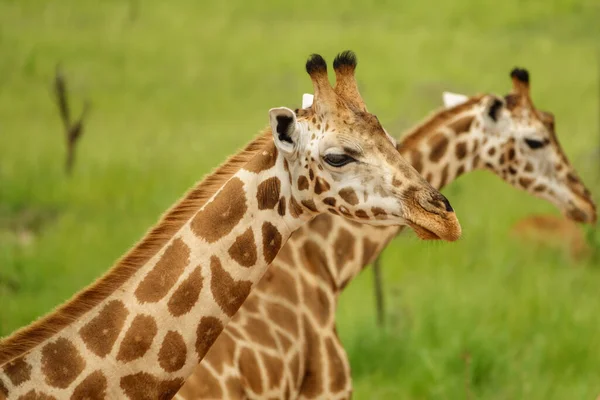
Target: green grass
[177, 86]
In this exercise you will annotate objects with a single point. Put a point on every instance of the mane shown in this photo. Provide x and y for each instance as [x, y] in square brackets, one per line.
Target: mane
[39, 331]
[433, 121]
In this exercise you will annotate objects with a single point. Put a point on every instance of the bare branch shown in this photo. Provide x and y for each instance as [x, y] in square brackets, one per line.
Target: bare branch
[378, 286]
[73, 131]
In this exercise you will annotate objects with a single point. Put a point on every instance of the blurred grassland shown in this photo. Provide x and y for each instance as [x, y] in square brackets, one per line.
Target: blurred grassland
[178, 86]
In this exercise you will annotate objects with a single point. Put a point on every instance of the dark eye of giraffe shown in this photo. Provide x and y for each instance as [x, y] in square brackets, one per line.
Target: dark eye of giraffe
[338, 160]
[534, 144]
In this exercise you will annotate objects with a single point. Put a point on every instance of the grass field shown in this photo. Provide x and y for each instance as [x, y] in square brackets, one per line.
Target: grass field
[177, 86]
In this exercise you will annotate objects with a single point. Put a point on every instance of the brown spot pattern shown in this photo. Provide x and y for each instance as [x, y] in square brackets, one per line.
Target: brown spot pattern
[295, 209]
[311, 174]
[138, 338]
[312, 384]
[322, 224]
[93, 387]
[207, 332]
[206, 388]
[525, 182]
[528, 167]
[314, 258]
[222, 214]
[243, 249]
[317, 302]
[380, 212]
[100, 334]
[17, 370]
[283, 285]
[461, 150]
[438, 144]
[310, 205]
[330, 201]
[344, 248]
[321, 185]
[259, 332]
[349, 196]
[302, 183]
[263, 160]
[271, 241]
[286, 254]
[369, 249]
[250, 369]
[462, 125]
[221, 353]
[33, 395]
[281, 206]
[165, 273]
[143, 386]
[61, 363]
[284, 342]
[172, 353]
[228, 293]
[361, 214]
[283, 317]
[274, 367]
[337, 373]
[186, 295]
[415, 160]
[267, 193]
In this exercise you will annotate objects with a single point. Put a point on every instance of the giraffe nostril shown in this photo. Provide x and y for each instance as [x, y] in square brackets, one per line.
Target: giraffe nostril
[447, 204]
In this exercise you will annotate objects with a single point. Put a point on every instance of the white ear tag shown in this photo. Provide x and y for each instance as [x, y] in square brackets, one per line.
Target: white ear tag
[307, 100]
[453, 99]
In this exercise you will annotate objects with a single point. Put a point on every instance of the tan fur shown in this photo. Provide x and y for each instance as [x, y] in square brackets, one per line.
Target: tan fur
[28, 337]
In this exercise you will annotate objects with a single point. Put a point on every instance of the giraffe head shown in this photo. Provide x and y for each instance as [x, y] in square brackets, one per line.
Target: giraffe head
[520, 145]
[342, 161]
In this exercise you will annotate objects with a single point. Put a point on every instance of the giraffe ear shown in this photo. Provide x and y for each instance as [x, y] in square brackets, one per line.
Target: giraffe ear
[453, 99]
[285, 129]
[494, 108]
[307, 100]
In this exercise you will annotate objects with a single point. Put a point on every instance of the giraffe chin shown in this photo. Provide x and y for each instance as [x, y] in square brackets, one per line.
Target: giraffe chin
[423, 233]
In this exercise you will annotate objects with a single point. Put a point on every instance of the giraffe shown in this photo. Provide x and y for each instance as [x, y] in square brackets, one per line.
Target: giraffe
[141, 329]
[283, 342]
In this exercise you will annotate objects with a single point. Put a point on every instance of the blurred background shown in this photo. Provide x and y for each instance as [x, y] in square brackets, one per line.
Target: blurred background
[176, 87]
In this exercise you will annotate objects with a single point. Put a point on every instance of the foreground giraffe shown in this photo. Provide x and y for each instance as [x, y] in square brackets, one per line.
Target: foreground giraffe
[282, 343]
[141, 329]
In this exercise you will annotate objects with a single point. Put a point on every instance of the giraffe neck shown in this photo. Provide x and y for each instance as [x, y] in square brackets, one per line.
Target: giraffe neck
[446, 145]
[145, 337]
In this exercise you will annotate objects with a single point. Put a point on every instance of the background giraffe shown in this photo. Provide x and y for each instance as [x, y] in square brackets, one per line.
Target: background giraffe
[283, 342]
[141, 329]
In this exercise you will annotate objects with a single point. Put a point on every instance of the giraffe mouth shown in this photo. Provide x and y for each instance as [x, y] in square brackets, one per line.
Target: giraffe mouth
[422, 232]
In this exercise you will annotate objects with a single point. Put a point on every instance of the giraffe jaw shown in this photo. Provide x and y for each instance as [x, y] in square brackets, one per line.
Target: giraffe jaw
[422, 232]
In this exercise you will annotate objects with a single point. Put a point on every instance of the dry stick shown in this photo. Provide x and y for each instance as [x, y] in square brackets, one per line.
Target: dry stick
[72, 131]
[378, 285]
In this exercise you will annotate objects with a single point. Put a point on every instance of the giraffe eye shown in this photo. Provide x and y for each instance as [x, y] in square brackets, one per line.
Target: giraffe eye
[534, 144]
[338, 160]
